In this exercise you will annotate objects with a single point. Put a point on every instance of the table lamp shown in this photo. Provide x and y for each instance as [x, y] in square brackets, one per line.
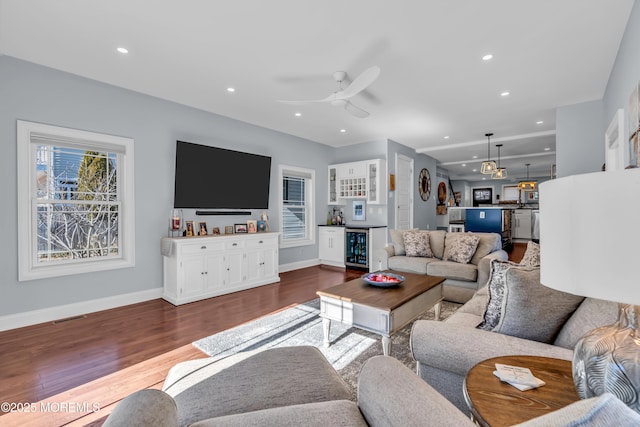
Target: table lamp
[590, 246]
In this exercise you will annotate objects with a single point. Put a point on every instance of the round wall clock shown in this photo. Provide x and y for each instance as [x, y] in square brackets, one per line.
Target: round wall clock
[424, 184]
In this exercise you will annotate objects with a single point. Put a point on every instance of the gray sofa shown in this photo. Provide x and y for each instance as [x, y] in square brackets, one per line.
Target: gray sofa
[462, 280]
[446, 351]
[246, 391]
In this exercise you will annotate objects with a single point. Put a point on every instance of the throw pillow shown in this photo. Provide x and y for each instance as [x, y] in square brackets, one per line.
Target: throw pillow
[495, 286]
[463, 248]
[531, 256]
[416, 243]
[532, 311]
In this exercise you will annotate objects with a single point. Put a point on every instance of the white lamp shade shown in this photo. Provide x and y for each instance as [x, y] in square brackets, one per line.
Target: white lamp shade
[590, 235]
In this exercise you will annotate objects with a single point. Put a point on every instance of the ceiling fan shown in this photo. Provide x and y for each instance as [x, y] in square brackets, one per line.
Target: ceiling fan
[340, 98]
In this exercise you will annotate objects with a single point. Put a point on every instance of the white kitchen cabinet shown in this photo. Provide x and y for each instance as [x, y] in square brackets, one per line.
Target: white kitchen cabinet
[358, 180]
[523, 224]
[331, 246]
[196, 268]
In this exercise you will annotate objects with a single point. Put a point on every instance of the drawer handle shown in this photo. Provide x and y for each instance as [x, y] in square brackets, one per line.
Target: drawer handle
[235, 244]
[203, 247]
[260, 241]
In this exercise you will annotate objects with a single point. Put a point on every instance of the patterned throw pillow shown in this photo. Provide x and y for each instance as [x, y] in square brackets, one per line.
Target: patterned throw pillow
[496, 286]
[416, 243]
[463, 248]
[531, 256]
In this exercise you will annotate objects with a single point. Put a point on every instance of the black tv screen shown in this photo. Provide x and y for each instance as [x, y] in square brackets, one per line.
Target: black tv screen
[217, 178]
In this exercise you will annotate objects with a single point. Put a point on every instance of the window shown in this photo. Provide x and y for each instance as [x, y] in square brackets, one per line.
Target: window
[296, 206]
[75, 201]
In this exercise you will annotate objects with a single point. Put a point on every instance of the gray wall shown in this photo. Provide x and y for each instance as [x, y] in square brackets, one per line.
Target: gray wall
[34, 93]
[579, 138]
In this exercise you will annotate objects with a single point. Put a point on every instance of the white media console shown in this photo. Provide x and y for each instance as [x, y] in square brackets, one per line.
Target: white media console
[196, 268]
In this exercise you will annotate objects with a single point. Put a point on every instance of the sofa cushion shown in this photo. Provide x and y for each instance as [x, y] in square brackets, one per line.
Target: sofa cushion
[531, 256]
[592, 313]
[460, 247]
[437, 239]
[531, 310]
[495, 287]
[452, 270]
[410, 264]
[416, 243]
[320, 414]
[397, 240]
[489, 242]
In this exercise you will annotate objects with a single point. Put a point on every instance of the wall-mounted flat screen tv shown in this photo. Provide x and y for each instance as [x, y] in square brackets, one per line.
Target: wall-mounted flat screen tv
[216, 178]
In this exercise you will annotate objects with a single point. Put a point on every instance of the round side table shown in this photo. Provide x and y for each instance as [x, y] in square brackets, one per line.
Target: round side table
[494, 403]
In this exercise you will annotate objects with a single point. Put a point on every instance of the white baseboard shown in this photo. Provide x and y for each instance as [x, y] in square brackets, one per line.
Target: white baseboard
[298, 265]
[34, 317]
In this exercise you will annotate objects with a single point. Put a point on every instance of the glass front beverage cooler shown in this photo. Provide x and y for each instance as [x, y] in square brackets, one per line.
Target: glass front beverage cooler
[357, 248]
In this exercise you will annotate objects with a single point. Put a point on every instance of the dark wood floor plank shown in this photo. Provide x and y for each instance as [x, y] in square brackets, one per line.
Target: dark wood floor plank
[103, 357]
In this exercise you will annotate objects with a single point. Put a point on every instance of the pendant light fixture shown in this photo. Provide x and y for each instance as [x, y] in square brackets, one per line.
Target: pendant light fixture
[527, 185]
[489, 166]
[499, 173]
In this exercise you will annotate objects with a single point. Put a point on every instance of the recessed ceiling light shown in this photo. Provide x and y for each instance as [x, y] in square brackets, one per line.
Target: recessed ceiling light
[505, 93]
[298, 114]
[231, 89]
[547, 149]
[343, 130]
[487, 57]
[474, 170]
[464, 165]
[122, 50]
[446, 137]
[475, 157]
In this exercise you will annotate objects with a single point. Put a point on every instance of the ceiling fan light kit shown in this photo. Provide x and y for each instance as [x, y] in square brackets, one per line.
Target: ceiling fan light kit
[489, 165]
[340, 98]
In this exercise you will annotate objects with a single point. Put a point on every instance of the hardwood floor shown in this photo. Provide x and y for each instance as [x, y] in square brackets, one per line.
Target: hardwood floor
[102, 357]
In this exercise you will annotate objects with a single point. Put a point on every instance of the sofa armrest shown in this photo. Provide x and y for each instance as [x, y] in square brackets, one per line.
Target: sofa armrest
[381, 257]
[484, 266]
[389, 394]
[147, 407]
[455, 348]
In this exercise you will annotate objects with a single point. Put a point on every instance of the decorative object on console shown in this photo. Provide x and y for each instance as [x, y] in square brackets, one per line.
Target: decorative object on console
[581, 255]
[216, 231]
[489, 165]
[527, 185]
[499, 172]
[239, 228]
[175, 223]
[252, 226]
[228, 229]
[189, 230]
[262, 226]
[202, 229]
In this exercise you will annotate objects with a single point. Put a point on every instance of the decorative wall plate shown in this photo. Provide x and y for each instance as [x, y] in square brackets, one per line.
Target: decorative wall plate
[424, 184]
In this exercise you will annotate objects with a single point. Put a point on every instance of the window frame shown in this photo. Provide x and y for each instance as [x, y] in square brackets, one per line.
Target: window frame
[28, 268]
[309, 175]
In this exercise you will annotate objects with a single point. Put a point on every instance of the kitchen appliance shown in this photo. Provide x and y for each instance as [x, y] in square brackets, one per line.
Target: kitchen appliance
[356, 248]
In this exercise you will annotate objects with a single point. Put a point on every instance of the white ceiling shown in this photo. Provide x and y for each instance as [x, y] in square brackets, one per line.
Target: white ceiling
[433, 82]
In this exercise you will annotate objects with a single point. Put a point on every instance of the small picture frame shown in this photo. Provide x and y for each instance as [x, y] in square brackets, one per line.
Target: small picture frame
[240, 228]
[228, 229]
[252, 226]
[262, 226]
[216, 231]
[189, 229]
[202, 229]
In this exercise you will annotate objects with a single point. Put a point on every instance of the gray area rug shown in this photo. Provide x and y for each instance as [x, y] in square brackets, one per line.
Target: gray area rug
[301, 325]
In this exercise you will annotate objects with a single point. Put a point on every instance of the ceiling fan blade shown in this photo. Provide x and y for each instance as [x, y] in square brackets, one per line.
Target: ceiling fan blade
[361, 82]
[327, 99]
[356, 111]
